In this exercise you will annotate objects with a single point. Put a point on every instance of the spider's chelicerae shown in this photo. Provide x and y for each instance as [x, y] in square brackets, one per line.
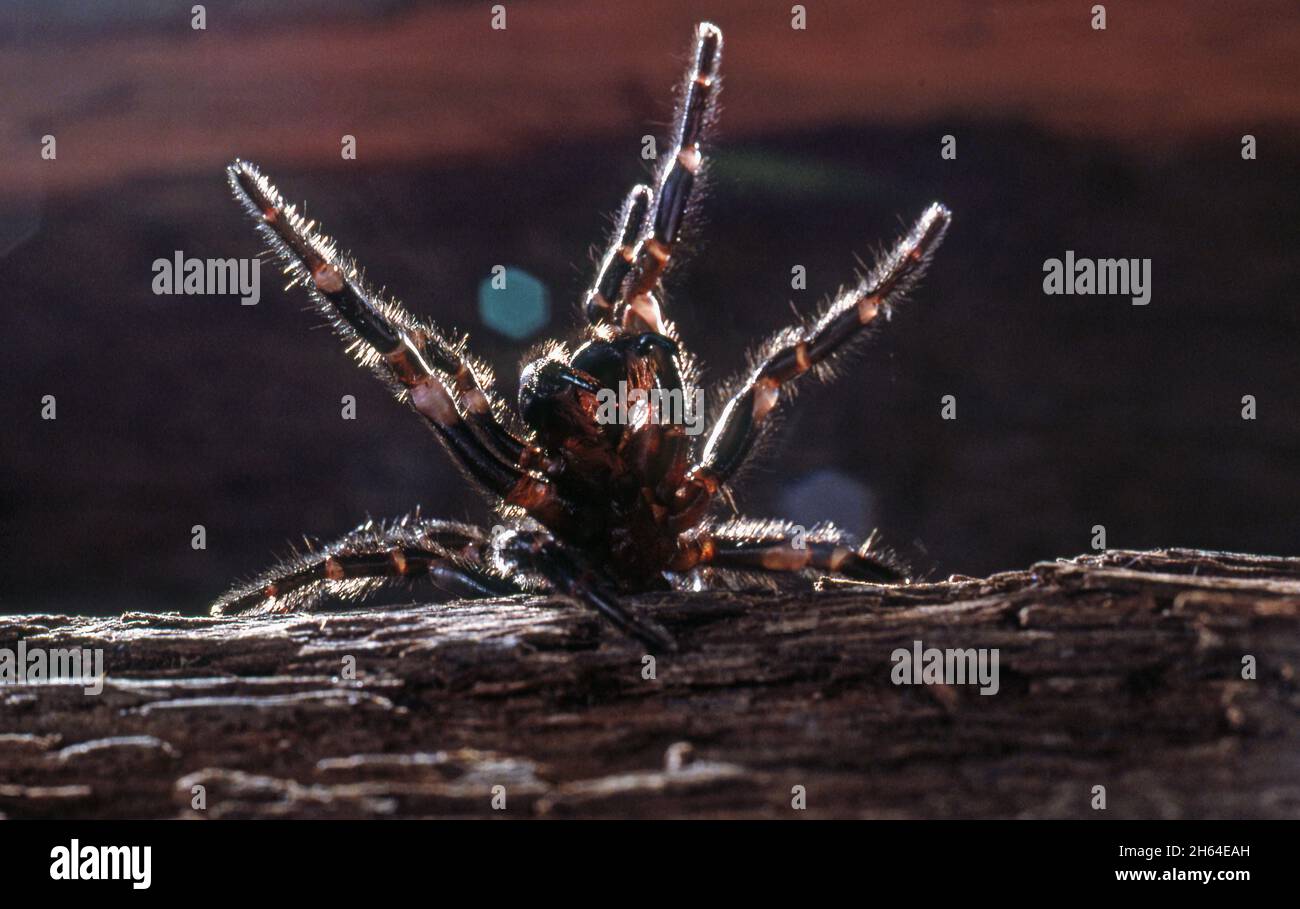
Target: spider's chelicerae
[591, 508]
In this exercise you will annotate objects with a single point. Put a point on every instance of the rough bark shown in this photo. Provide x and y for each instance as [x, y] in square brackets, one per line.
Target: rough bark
[1122, 670]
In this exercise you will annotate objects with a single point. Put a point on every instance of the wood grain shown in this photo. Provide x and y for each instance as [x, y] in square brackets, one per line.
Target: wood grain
[1122, 670]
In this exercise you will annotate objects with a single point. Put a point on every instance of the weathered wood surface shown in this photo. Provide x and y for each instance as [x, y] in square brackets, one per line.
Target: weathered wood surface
[1122, 670]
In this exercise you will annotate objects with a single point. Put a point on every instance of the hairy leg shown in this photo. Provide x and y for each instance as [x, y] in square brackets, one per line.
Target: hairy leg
[752, 546]
[812, 347]
[676, 178]
[625, 293]
[607, 290]
[370, 557]
[447, 386]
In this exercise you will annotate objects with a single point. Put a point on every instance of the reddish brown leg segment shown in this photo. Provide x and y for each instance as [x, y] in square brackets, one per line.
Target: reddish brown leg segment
[777, 547]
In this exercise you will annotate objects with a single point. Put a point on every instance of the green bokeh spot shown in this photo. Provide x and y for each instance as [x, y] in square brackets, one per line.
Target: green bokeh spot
[514, 304]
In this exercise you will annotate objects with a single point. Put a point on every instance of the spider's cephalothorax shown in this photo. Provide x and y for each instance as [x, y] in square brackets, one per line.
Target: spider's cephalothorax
[602, 488]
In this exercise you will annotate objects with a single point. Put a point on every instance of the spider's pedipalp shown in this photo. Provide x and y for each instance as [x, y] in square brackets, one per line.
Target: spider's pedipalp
[368, 558]
[812, 347]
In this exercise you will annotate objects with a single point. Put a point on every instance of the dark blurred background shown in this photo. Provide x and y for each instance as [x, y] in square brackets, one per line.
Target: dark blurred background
[478, 147]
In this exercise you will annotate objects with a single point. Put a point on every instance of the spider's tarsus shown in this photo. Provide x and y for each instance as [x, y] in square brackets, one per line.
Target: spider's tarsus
[933, 224]
[246, 181]
[708, 47]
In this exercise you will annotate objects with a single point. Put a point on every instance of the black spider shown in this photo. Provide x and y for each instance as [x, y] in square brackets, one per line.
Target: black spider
[591, 506]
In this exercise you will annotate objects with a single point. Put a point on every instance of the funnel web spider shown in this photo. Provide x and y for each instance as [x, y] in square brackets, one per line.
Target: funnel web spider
[590, 509]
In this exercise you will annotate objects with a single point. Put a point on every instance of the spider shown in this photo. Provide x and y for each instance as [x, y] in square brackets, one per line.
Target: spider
[591, 508]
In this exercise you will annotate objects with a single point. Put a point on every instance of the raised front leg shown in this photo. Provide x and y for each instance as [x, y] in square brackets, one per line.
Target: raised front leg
[626, 292]
[447, 386]
[677, 175]
[801, 349]
[435, 374]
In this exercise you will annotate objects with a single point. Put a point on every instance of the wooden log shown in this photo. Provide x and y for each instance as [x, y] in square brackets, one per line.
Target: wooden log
[1122, 670]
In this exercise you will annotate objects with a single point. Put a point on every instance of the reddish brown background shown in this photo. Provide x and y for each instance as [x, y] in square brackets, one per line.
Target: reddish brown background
[479, 147]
